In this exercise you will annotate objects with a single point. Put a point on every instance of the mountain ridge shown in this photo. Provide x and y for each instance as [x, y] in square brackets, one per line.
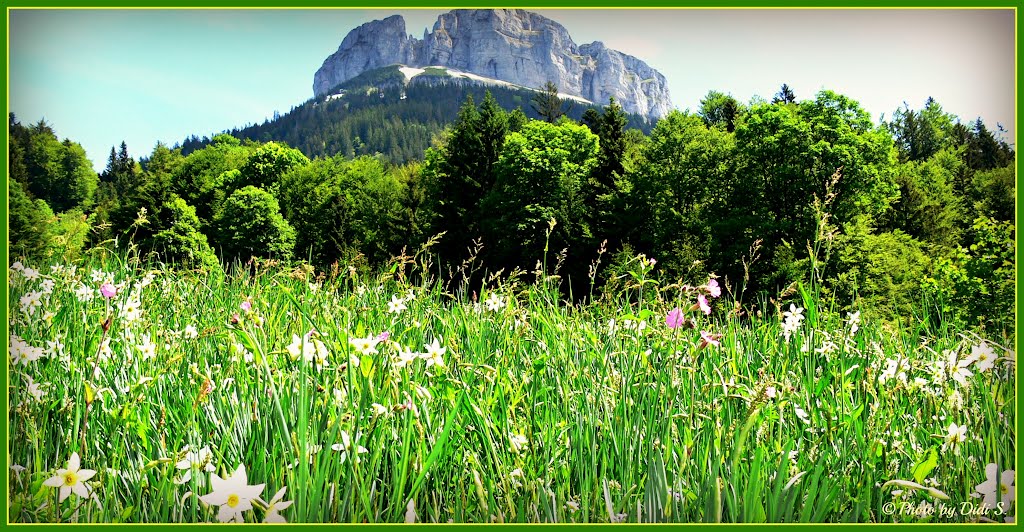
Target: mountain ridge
[517, 46]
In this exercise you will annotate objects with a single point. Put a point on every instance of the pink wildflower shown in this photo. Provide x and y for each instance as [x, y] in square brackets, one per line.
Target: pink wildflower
[674, 318]
[108, 290]
[702, 302]
[246, 305]
[383, 336]
[707, 338]
[713, 289]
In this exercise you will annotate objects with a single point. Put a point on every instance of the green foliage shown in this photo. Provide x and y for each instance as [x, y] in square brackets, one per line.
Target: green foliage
[984, 151]
[788, 158]
[140, 197]
[68, 235]
[785, 95]
[995, 193]
[676, 191]
[267, 164]
[250, 225]
[451, 172]
[883, 271]
[200, 178]
[721, 111]
[181, 243]
[976, 284]
[28, 222]
[541, 171]
[56, 172]
[928, 207]
[844, 139]
[459, 173]
[921, 134]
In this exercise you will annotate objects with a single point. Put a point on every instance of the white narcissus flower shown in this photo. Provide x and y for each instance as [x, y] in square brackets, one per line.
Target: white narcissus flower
[996, 490]
[84, 293]
[365, 346]
[30, 302]
[396, 306]
[433, 354]
[131, 309]
[956, 433]
[23, 353]
[295, 348]
[202, 460]
[405, 357]
[494, 303]
[958, 368]
[853, 318]
[191, 332]
[34, 389]
[147, 348]
[983, 356]
[233, 495]
[347, 445]
[276, 505]
[71, 479]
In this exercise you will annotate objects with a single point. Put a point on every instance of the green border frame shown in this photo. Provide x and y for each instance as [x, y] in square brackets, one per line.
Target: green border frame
[533, 4]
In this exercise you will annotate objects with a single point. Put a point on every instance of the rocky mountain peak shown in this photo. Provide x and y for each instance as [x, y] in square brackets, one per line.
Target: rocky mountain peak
[514, 45]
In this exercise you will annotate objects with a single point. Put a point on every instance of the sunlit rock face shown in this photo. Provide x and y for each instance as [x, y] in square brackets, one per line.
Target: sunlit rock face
[512, 45]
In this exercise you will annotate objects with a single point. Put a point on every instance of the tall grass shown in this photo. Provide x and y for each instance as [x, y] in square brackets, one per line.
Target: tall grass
[543, 411]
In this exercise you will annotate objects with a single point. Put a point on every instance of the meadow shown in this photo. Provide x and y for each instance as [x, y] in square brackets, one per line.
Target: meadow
[281, 394]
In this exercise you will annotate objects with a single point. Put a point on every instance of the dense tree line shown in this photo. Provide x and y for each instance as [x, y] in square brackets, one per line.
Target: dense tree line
[901, 216]
[379, 116]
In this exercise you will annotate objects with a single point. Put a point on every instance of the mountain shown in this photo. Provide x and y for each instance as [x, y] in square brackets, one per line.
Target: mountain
[512, 45]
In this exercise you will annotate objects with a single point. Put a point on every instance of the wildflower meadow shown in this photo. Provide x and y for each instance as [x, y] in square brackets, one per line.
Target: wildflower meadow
[287, 395]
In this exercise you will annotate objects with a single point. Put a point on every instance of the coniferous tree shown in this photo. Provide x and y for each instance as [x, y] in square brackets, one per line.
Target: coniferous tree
[547, 103]
[602, 192]
[451, 173]
[492, 124]
[785, 95]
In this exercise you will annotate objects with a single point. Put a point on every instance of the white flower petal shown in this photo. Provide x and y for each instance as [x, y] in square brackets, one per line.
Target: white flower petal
[74, 463]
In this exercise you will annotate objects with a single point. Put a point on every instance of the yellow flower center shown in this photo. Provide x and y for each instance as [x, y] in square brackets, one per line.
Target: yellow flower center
[233, 500]
[1003, 488]
[70, 479]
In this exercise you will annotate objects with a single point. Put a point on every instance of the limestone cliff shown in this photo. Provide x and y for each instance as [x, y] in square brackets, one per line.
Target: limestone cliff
[513, 45]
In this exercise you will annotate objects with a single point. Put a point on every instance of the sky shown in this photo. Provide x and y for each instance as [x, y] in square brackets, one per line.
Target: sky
[100, 76]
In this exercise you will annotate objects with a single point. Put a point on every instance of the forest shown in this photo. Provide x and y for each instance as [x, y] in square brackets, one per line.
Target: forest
[910, 214]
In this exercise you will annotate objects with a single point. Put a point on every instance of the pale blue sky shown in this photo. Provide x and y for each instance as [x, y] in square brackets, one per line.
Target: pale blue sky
[100, 76]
